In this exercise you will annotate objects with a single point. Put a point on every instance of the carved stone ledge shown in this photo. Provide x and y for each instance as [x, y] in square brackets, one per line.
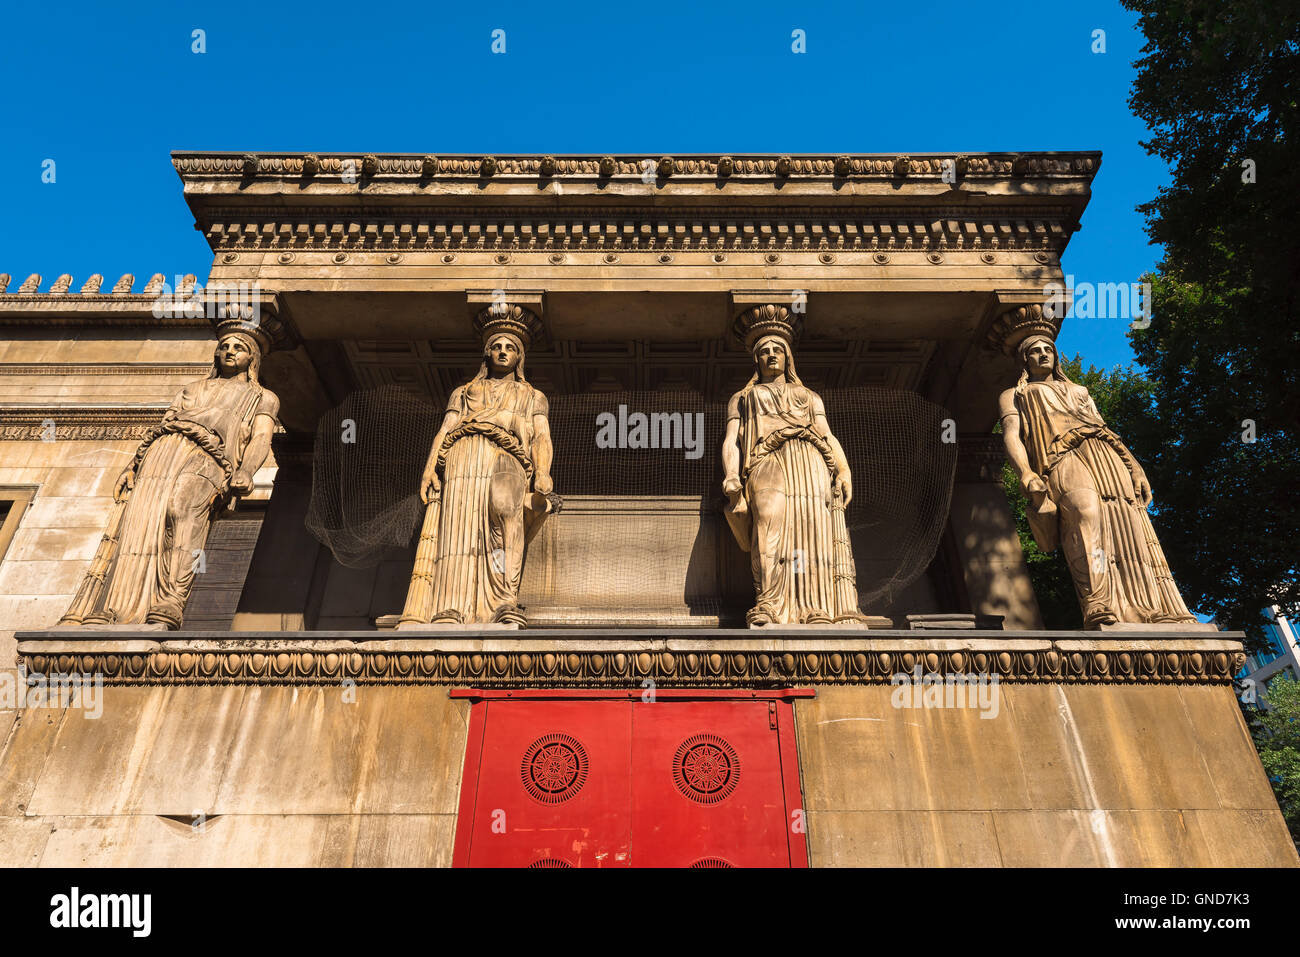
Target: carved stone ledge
[73, 422]
[191, 369]
[980, 458]
[305, 659]
[594, 229]
[416, 166]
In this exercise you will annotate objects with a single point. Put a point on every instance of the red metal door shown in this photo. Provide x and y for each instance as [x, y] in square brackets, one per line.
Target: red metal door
[553, 785]
[603, 779]
[706, 785]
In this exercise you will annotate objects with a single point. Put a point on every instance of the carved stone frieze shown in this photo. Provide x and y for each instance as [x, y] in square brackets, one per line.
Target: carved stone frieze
[612, 663]
[980, 458]
[416, 166]
[594, 228]
[102, 368]
[69, 423]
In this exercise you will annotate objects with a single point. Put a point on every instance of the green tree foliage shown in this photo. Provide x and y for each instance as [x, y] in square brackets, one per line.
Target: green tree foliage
[1218, 85]
[1277, 738]
[1123, 398]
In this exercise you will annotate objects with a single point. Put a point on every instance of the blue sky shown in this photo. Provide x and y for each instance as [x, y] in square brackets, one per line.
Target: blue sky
[107, 93]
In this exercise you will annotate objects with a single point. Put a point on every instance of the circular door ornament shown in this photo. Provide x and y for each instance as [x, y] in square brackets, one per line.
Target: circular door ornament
[704, 862]
[554, 768]
[550, 862]
[706, 768]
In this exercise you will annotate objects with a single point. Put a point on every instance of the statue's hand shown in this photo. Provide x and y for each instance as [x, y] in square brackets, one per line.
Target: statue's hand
[844, 488]
[1035, 490]
[125, 482]
[543, 484]
[241, 483]
[731, 486]
[430, 486]
[1143, 489]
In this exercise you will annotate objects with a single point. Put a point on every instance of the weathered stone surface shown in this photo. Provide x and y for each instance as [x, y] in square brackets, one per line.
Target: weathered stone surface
[1065, 775]
[23, 840]
[276, 776]
[902, 839]
[26, 749]
[151, 751]
[308, 751]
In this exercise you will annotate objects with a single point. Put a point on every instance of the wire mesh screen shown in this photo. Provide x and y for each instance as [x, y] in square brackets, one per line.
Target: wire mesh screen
[629, 450]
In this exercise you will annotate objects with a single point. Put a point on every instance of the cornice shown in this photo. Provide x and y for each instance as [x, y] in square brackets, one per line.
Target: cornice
[414, 166]
[767, 229]
[105, 368]
[140, 660]
[29, 423]
[123, 310]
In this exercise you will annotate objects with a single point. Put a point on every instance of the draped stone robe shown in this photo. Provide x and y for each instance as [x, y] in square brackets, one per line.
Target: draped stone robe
[787, 470]
[486, 466]
[182, 469]
[1122, 570]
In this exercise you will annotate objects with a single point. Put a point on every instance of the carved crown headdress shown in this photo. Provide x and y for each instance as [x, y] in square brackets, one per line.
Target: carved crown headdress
[769, 319]
[505, 317]
[1016, 325]
[249, 328]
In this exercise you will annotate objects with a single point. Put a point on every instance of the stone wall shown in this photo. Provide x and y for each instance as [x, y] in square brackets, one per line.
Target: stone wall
[1065, 775]
[235, 776]
[1072, 775]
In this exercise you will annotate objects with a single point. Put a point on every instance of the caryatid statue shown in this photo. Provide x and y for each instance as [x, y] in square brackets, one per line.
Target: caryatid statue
[1086, 491]
[213, 437]
[487, 485]
[787, 484]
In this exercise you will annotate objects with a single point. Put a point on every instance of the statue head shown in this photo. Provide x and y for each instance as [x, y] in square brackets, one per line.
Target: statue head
[773, 357]
[1039, 361]
[1038, 357]
[236, 353]
[508, 330]
[503, 353]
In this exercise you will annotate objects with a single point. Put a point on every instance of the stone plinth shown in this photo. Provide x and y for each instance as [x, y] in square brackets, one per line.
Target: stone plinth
[344, 748]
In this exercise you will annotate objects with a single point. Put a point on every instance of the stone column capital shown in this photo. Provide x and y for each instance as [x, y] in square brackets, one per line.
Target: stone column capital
[261, 311]
[517, 311]
[1015, 322]
[769, 317]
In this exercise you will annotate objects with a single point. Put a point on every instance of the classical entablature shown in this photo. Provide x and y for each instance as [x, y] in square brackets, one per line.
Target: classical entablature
[636, 263]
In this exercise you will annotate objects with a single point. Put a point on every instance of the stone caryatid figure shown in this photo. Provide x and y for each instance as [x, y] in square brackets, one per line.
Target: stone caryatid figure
[1086, 492]
[787, 484]
[212, 439]
[487, 486]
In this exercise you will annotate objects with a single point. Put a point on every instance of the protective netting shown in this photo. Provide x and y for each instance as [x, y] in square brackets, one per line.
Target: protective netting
[364, 493]
[369, 455]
